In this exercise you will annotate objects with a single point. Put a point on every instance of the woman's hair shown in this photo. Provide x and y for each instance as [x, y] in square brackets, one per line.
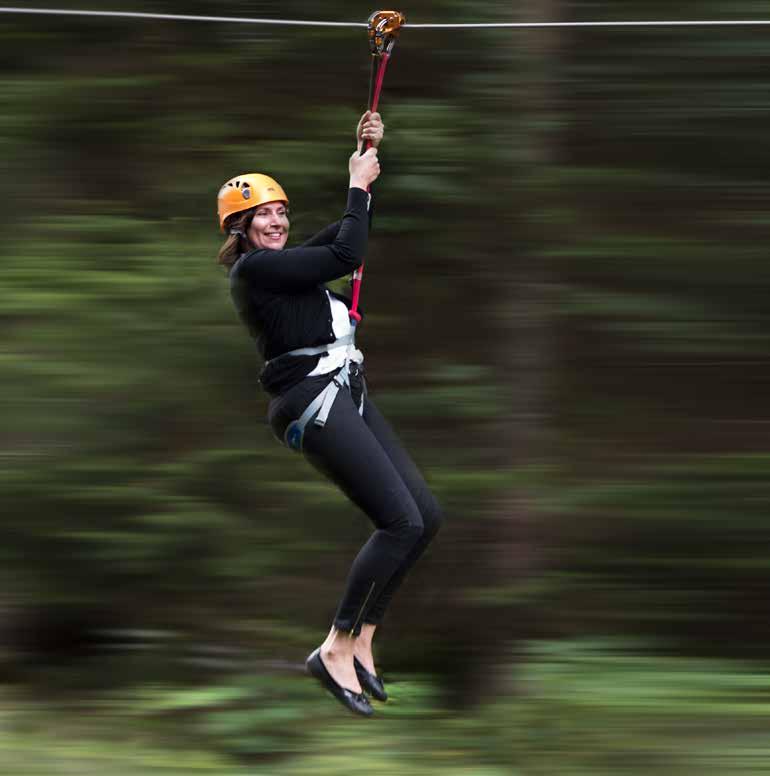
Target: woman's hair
[236, 243]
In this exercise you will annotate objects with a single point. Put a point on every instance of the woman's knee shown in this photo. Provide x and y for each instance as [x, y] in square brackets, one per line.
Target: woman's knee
[406, 522]
[432, 517]
[412, 532]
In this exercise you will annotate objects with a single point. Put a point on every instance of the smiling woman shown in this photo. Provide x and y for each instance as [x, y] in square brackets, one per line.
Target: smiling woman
[269, 227]
[254, 209]
[320, 405]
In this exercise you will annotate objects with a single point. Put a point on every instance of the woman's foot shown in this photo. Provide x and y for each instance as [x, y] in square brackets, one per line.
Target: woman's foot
[362, 647]
[364, 663]
[337, 656]
[355, 702]
[341, 668]
[372, 684]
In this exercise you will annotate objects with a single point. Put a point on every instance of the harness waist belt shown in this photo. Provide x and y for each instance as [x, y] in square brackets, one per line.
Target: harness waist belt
[341, 342]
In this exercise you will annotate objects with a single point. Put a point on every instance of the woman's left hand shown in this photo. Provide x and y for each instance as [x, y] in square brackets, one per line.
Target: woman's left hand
[370, 127]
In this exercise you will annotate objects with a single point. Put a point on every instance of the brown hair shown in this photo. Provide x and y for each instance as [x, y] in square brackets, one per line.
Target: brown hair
[237, 242]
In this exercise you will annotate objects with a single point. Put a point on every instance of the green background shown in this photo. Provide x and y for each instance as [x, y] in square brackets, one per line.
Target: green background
[566, 322]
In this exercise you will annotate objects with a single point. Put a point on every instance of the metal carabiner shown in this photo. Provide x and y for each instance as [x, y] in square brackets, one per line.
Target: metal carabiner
[384, 27]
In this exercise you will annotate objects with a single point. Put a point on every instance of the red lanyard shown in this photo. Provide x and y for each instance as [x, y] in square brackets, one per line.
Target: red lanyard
[383, 30]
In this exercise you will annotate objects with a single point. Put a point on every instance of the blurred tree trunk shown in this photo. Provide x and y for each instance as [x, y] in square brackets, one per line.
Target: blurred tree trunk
[523, 356]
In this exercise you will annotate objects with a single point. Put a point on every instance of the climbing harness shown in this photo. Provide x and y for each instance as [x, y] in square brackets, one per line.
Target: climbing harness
[295, 432]
[384, 27]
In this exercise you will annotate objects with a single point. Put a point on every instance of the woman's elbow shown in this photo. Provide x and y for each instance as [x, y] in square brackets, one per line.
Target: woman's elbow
[351, 256]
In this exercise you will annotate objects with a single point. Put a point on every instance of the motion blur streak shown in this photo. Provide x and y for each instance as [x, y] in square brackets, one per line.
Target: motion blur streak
[565, 318]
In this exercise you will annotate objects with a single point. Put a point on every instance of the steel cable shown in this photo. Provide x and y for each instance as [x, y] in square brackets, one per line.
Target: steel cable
[311, 23]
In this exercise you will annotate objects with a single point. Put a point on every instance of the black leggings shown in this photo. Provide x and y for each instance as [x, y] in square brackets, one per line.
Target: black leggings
[364, 457]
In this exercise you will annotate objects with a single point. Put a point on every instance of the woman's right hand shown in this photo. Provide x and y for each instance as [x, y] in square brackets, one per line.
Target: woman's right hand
[365, 169]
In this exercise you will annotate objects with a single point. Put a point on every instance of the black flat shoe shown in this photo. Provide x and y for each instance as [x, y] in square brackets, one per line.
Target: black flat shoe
[369, 681]
[356, 702]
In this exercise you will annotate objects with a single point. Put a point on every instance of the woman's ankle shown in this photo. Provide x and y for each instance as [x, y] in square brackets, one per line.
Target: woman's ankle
[366, 636]
[339, 642]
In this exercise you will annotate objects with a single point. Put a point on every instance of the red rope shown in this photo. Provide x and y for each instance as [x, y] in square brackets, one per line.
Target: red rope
[355, 316]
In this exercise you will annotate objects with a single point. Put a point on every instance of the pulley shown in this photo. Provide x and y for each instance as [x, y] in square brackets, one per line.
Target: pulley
[384, 27]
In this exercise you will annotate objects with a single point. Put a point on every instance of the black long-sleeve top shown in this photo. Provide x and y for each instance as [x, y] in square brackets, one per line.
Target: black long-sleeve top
[281, 297]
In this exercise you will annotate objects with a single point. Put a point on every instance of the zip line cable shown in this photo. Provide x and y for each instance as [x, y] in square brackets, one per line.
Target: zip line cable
[309, 23]
[180, 18]
[696, 23]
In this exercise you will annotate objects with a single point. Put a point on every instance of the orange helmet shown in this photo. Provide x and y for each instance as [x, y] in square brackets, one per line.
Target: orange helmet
[247, 191]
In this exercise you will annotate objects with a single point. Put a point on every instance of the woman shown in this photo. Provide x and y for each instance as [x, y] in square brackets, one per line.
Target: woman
[315, 376]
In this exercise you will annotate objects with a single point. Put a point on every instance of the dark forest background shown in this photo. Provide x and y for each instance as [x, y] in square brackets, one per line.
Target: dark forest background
[566, 322]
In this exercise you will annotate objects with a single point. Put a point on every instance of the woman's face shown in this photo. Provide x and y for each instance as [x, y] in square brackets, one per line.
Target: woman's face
[270, 226]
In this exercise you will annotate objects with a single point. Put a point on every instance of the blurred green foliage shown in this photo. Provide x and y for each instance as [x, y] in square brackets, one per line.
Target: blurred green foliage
[580, 707]
[566, 322]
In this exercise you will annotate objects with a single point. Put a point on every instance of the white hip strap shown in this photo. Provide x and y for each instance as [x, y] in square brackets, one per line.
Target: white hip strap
[341, 342]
